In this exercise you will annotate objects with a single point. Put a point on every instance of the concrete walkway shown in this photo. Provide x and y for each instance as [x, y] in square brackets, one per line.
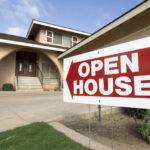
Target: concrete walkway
[79, 137]
[19, 108]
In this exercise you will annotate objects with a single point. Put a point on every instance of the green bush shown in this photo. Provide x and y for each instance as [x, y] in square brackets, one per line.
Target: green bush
[145, 131]
[139, 113]
[8, 87]
[57, 89]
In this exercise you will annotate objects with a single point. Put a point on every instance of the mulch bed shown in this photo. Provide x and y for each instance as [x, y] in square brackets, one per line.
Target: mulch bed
[125, 131]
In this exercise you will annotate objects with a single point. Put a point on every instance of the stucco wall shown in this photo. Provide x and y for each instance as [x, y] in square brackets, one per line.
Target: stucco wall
[41, 35]
[37, 37]
[7, 69]
[6, 49]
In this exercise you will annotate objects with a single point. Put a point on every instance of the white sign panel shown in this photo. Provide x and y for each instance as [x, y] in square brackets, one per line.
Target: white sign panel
[113, 76]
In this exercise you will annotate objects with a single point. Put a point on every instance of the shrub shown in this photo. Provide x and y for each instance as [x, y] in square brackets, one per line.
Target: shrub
[147, 115]
[139, 113]
[57, 89]
[8, 87]
[145, 131]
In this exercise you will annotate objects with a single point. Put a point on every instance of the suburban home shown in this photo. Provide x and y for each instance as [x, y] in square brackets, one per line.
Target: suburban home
[36, 61]
[31, 62]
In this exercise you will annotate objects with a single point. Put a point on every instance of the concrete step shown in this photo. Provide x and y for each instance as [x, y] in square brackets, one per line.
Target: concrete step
[28, 79]
[35, 85]
[29, 87]
[24, 82]
[29, 90]
[28, 83]
[33, 80]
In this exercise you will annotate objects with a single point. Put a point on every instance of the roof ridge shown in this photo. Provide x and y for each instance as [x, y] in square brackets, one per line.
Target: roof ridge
[61, 26]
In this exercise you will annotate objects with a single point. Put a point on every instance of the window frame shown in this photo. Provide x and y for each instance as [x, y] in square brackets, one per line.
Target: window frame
[52, 37]
[73, 41]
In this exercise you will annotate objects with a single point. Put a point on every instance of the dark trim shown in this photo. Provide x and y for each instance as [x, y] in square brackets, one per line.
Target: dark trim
[29, 27]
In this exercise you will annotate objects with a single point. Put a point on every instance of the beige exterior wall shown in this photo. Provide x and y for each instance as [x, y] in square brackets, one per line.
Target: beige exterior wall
[7, 69]
[41, 36]
[6, 49]
[7, 64]
[37, 37]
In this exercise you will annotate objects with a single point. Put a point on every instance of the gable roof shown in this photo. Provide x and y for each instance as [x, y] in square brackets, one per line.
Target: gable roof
[22, 41]
[120, 20]
[40, 23]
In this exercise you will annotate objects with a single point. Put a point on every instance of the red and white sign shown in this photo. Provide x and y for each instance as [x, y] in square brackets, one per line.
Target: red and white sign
[114, 76]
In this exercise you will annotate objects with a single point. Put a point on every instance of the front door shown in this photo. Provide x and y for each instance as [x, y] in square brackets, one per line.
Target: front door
[26, 64]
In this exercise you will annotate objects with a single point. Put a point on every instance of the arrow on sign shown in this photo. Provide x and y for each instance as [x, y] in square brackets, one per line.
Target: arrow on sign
[120, 75]
[72, 75]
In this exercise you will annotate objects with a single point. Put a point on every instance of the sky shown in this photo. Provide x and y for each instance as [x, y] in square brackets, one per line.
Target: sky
[85, 15]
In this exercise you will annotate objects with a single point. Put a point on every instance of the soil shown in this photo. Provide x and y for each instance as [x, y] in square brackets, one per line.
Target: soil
[125, 131]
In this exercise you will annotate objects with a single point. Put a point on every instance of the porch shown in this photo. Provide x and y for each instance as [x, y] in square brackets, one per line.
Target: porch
[30, 69]
[35, 71]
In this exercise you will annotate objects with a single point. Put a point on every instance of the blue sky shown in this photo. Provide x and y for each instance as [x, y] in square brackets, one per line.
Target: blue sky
[85, 15]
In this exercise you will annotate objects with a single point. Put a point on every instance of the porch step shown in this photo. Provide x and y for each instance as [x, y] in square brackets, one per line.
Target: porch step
[29, 83]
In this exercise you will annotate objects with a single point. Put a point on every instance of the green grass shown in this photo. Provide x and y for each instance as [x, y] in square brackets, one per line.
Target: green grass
[37, 136]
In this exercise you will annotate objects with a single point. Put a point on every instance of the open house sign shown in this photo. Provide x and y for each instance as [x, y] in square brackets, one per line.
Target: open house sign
[114, 76]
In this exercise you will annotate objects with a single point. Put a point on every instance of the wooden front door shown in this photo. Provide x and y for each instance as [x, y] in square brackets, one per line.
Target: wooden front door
[26, 64]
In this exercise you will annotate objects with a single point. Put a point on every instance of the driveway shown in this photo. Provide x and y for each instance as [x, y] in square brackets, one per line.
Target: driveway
[17, 108]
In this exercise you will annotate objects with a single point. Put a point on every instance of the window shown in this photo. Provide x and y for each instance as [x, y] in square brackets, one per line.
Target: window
[51, 75]
[20, 67]
[57, 38]
[74, 40]
[66, 40]
[30, 67]
[60, 39]
[49, 36]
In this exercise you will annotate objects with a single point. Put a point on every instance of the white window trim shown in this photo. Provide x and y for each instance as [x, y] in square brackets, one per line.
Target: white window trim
[49, 36]
[72, 40]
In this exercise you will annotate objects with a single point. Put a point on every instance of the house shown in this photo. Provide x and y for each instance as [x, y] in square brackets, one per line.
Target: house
[36, 61]
[31, 62]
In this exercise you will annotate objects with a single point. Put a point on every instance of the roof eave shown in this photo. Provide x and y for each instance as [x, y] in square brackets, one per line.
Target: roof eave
[4, 41]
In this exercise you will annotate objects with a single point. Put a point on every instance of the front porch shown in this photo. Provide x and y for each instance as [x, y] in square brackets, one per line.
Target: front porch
[35, 71]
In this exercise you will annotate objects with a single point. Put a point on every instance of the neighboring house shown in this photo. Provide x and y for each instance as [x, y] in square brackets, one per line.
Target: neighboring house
[31, 62]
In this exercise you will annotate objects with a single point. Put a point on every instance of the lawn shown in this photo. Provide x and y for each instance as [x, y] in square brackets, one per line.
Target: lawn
[37, 136]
